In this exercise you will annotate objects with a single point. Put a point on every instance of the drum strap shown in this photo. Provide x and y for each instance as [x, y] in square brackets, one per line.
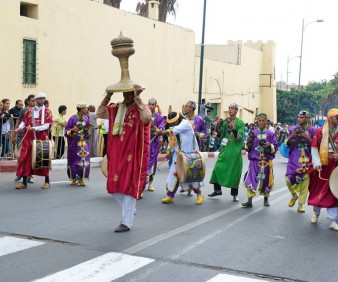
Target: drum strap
[178, 138]
[34, 124]
[331, 141]
[333, 144]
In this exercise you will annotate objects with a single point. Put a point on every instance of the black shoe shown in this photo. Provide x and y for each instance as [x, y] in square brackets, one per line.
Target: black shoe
[215, 193]
[246, 205]
[235, 199]
[29, 180]
[122, 228]
[18, 178]
[266, 204]
[182, 190]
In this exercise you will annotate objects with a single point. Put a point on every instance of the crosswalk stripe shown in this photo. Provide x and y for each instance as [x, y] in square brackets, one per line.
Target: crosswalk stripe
[232, 278]
[107, 267]
[10, 245]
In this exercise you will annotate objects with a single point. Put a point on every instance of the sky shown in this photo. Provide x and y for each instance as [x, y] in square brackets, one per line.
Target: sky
[276, 20]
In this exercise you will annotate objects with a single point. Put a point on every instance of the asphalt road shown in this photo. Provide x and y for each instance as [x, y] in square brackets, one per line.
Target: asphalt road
[66, 233]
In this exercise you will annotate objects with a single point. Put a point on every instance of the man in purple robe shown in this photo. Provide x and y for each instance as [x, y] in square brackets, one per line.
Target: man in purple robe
[78, 154]
[261, 146]
[197, 122]
[297, 171]
[157, 123]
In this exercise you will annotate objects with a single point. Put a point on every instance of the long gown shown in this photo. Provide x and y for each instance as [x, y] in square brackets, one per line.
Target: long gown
[78, 156]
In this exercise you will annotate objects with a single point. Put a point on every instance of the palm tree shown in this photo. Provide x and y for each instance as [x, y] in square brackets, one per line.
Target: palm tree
[113, 3]
[167, 7]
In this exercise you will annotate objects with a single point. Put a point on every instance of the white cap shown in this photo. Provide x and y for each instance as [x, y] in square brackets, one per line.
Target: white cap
[81, 105]
[40, 95]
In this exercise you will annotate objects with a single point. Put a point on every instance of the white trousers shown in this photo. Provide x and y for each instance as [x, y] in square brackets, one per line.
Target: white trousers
[128, 204]
[332, 213]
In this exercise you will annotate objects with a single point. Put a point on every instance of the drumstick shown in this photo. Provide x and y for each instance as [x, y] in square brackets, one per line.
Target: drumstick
[320, 177]
[23, 138]
[160, 164]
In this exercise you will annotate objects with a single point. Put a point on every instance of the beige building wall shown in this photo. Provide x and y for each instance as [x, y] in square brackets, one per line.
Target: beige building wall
[75, 62]
[74, 53]
[239, 72]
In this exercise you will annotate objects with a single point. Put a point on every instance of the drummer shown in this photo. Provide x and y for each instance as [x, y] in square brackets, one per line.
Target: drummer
[36, 122]
[183, 130]
[324, 149]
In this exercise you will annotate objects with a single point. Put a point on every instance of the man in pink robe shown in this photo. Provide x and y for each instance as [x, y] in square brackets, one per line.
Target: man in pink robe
[324, 149]
[36, 123]
[127, 151]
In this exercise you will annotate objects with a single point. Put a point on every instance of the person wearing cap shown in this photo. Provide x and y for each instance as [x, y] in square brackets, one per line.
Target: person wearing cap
[197, 122]
[156, 123]
[261, 146]
[324, 150]
[78, 151]
[127, 150]
[297, 170]
[185, 141]
[228, 168]
[36, 123]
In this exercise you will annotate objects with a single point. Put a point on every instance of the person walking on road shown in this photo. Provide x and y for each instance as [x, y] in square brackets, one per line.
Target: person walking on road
[297, 170]
[77, 132]
[324, 150]
[157, 123]
[228, 168]
[261, 146]
[185, 141]
[36, 122]
[127, 151]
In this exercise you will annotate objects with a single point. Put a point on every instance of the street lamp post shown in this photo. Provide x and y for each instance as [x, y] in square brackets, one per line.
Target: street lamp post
[301, 55]
[202, 59]
[287, 70]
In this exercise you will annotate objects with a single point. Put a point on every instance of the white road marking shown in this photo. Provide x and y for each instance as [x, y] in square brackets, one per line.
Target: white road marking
[138, 247]
[204, 239]
[279, 237]
[9, 245]
[233, 278]
[107, 267]
[56, 182]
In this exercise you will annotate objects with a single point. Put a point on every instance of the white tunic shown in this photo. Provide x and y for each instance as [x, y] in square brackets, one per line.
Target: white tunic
[188, 144]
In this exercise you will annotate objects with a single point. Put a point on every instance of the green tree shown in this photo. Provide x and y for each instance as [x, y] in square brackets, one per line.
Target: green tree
[316, 86]
[113, 3]
[315, 97]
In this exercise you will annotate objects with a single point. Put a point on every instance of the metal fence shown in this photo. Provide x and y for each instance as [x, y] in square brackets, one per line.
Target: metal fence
[10, 142]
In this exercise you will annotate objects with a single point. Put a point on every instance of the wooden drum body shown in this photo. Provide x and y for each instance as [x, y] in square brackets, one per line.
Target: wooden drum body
[190, 167]
[334, 182]
[104, 166]
[42, 152]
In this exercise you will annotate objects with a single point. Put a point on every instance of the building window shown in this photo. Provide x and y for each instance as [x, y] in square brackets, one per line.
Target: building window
[29, 61]
[29, 10]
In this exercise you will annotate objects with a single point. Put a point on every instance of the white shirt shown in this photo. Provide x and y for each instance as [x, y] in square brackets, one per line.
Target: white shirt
[187, 137]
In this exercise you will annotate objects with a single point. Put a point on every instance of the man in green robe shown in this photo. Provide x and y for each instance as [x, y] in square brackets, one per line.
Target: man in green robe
[228, 168]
